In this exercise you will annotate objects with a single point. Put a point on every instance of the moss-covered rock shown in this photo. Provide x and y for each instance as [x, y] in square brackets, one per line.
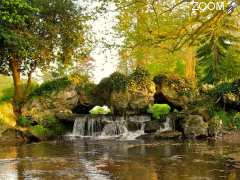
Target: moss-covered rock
[39, 107]
[173, 91]
[194, 127]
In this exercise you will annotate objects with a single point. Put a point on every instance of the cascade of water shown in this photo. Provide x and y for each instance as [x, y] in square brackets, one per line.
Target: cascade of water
[87, 126]
[105, 127]
[115, 128]
[79, 126]
[167, 125]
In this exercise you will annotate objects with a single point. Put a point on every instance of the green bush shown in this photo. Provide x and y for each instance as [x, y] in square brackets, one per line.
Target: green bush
[236, 120]
[97, 110]
[50, 86]
[23, 121]
[159, 111]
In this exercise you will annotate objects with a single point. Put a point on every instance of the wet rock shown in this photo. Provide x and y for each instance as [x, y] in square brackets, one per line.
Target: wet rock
[195, 127]
[66, 116]
[168, 135]
[152, 126]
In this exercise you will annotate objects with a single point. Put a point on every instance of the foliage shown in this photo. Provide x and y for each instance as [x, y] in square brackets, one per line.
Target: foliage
[236, 120]
[49, 127]
[226, 117]
[6, 88]
[139, 80]
[158, 111]
[39, 33]
[78, 79]
[51, 86]
[24, 122]
[40, 131]
[97, 110]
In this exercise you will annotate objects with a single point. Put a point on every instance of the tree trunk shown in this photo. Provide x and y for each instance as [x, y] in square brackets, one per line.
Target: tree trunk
[29, 82]
[190, 65]
[16, 74]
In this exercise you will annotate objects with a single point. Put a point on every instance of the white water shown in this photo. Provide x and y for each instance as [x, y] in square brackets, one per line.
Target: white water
[93, 127]
[103, 127]
[167, 126]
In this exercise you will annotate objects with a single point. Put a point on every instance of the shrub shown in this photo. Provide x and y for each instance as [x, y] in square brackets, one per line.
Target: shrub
[97, 110]
[159, 111]
[23, 121]
[236, 120]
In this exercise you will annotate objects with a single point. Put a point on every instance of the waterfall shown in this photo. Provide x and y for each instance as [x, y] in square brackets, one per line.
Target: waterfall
[87, 126]
[167, 125]
[115, 128]
[105, 127]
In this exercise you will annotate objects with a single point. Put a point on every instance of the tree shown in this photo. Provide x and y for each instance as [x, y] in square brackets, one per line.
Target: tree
[15, 16]
[35, 33]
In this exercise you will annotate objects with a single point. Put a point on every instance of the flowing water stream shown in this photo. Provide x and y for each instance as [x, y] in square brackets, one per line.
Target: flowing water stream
[102, 148]
[85, 158]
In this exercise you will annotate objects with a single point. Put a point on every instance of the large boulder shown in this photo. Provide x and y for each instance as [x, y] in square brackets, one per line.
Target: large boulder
[173, 91]
[119, 101]
[194, 127]
[152, 126]
[58, 101]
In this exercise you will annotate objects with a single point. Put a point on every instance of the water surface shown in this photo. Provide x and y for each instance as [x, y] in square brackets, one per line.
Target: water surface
[114, 159]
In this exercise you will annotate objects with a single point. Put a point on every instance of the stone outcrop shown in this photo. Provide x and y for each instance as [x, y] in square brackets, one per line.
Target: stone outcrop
[173, 91]
[194, 126]
[41, 106]
[134, 100]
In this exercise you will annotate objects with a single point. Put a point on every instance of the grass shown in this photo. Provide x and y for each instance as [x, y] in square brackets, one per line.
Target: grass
[6, 88]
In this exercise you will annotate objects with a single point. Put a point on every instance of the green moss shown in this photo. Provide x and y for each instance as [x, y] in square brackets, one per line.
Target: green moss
[97, 110]
[40, 131]
[24, 122]
[50, 86]
[159, 111]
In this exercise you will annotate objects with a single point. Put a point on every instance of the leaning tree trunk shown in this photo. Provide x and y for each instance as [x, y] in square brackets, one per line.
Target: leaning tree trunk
[16, 74]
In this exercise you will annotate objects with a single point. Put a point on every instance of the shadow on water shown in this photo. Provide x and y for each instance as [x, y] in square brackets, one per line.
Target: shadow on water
[113, 159]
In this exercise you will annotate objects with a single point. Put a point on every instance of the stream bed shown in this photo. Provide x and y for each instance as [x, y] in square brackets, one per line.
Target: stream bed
[84, 158]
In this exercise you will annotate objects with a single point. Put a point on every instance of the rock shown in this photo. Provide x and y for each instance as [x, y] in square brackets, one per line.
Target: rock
[172, 91]
[66, 116]
[119, 101]
[40, 107]
[204, 112]
[152, 126]
[194, 127]
[168, 135]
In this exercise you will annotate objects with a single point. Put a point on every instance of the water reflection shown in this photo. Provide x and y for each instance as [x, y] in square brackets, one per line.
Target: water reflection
[130, 160]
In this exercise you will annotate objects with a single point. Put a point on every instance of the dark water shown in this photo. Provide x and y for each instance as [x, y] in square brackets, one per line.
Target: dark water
[109, 159]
